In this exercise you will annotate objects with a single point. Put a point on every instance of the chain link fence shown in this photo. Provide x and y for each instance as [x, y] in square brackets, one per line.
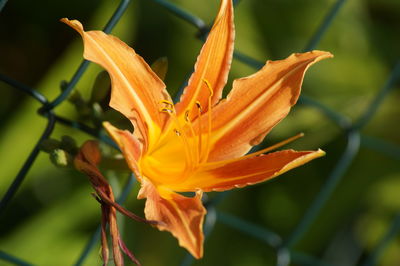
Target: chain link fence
[286, 253]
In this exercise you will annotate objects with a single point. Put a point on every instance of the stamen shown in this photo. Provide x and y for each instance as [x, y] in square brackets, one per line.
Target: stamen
[209, 87]
[177, 132]
[195, 145]
[168, 103]
[165, 107]
[191, 153]
[268, 149]
[199, 106]
[167, 110]
[184, 137]
[209, 114]
[199, 134]
[187, 116]
[180, 132]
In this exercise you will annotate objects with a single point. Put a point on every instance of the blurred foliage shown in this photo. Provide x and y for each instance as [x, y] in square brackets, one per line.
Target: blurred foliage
[54, 215]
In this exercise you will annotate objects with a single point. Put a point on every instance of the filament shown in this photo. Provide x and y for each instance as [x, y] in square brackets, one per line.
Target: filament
[200, 135]
[209, 116]
[180, 132]
[268, 149]
[195, 145]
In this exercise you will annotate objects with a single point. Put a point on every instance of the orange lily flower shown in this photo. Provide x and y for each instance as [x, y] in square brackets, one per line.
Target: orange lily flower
[198, 145]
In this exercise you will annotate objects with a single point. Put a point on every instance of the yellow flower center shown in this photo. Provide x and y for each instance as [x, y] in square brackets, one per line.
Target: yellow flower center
[182, 148]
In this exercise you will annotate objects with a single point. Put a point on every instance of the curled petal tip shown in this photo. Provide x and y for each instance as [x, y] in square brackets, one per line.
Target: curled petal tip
[64, 20]
[322, 54]
[320, 152]
[75, 24]
[316, 54]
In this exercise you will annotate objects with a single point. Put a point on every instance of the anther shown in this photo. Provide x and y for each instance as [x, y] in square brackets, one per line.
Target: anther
[199, 106]
[187, 116]
[209, 87]
[177, 132]
[166, 110]
[168, 103]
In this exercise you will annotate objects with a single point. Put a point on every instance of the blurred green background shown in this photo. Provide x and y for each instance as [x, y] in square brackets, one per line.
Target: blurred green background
[53, 214]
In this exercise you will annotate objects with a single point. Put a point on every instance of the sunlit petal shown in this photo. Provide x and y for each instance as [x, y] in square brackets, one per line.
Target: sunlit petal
[257, 103]
[221, 176]
[213, 63]
[136, 89]
[131, 147]
[182, 216]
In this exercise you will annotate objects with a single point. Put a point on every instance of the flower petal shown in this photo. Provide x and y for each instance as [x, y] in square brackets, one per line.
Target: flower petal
[257, 103]
[181, 216]
[220, 176]
[130, 146]
[212, 64]
[136, 89]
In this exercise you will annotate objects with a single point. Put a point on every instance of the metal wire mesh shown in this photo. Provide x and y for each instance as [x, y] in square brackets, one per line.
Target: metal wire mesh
[285, 252]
